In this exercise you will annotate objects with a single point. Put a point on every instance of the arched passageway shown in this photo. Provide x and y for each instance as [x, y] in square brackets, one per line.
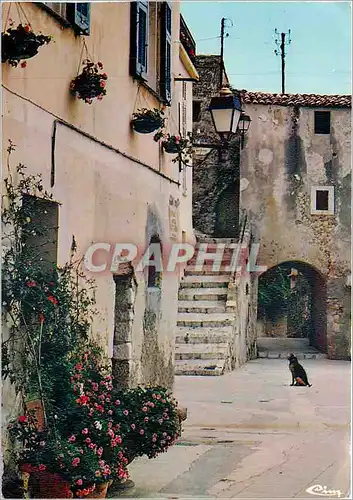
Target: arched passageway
[292, 304]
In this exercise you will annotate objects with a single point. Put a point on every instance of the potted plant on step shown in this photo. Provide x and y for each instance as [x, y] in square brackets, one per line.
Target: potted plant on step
[146, 121]
[21, 43]
[90, 83]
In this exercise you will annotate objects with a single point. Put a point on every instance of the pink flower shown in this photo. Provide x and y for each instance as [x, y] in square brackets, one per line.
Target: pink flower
[110, 412]
[102, 84]
[117, 402]
[85, 431]
[142, 432]
[91, 445]
[42, 467]
[118, 439]
[146, 419]
[31, 284]
[87, 440]
[42, 444]
[120, 455]
[22, 419]
[158, 396]
[79, 482]
[100, 451]
[145, 409]
[79, 367]
[53, 300]
[133, 426]
[154, 396]
[154, 439]
[72, 439]
[160, 420]
[125, 412]
[164, 434]
[75, 462]
[105, 76]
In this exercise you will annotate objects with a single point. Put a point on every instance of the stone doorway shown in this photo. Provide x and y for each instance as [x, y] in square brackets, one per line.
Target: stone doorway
[292, 304]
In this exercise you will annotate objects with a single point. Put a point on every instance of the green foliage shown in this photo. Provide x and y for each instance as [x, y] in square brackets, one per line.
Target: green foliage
[46, 308]
[274, 292]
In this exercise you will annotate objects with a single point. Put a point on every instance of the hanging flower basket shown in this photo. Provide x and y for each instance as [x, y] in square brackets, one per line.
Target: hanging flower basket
[146, 121]
[21, 43]
[90, 83]
[174, 144]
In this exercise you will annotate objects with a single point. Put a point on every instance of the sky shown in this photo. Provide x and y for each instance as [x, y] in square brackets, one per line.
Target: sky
[318, 59]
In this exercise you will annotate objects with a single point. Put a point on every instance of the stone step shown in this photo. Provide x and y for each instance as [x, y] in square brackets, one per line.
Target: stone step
[201, 367]
[209, 239]
[187, 335]
[204, 281]
[201, 351]
[203, 294]
[208, 271]
[204, 319]
[200, 306]
[284, 355]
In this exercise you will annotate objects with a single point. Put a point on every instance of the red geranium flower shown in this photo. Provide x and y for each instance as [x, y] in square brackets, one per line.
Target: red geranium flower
[22, 419]
[31, 284]
[53, 300]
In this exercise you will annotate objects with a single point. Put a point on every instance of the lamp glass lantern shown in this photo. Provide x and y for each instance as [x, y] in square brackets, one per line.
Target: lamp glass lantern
[225, 110]
[244, 123]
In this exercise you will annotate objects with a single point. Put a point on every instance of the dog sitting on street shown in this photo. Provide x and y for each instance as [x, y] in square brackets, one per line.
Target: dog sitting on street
[299, 375]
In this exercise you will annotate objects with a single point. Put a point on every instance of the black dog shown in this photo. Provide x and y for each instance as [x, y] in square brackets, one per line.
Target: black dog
[299, 375]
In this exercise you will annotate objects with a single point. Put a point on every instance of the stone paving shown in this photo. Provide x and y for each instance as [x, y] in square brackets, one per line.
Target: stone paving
[250, 435]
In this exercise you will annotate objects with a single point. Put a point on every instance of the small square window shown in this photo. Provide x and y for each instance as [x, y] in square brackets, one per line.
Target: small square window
[322, 200]
[322, 122]
[196, 111]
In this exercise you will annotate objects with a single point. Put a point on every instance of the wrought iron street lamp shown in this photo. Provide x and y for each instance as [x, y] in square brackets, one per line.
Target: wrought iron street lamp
[228, 119]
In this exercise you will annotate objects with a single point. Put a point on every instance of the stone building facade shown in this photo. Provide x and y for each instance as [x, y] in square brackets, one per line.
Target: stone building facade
[296, 174]
[110, 183]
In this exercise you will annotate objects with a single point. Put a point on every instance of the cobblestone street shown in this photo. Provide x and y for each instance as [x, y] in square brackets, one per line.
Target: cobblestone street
[250, 435]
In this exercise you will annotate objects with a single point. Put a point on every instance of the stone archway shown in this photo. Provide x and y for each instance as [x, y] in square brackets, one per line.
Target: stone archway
[292, 304]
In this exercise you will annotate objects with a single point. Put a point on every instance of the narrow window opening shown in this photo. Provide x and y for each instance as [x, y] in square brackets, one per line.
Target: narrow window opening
[322, 200]
[322, 122]
[196, 111]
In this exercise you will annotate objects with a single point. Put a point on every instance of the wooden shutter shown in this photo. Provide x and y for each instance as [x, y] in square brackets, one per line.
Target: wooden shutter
[166, 53]
[139, 21]
[82, 17]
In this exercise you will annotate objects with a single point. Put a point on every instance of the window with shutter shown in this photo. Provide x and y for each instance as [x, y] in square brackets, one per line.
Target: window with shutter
[139, 38]
[82, 16]
[58, 8]
[166, 53]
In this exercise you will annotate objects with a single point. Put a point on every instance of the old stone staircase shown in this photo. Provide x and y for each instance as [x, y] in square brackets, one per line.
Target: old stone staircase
[204, 323]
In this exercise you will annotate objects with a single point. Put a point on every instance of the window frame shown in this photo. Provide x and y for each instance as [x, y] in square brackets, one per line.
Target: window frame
[71, 17]
[137, 69]
[331, 200]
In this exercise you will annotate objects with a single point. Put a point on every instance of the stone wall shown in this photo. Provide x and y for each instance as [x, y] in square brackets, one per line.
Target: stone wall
[283, 159]
[215, 176]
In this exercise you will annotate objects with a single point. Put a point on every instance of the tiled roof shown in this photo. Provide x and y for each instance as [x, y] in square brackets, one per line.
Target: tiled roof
[308, 100]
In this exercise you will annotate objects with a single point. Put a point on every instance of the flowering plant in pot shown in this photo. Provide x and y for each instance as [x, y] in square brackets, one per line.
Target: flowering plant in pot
[172, 143]
[148, 417]
[146, 120]
[90, 83]
[21, 43]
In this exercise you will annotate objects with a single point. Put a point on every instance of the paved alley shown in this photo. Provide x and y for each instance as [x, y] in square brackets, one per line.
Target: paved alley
[250, 435]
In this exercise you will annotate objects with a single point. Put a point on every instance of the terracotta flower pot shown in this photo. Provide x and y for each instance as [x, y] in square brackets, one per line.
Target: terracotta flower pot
[100, 491]
[35, 406]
